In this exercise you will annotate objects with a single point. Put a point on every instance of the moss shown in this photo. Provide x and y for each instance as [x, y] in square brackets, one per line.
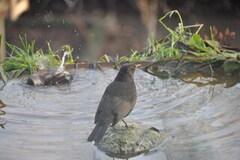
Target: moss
[124, 142]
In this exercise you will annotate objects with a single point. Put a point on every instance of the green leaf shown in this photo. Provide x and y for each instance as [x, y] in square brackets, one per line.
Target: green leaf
[4, 75]
[230, 66]
[196, 42]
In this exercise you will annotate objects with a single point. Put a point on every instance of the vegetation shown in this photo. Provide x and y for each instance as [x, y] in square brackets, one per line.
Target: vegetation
[27, 59]
[182, 43]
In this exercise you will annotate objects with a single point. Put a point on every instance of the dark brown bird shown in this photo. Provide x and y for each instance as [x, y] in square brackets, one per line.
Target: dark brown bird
[117, 102]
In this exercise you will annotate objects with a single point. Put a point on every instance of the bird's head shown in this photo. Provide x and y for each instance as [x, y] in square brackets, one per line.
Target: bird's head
[126, 73]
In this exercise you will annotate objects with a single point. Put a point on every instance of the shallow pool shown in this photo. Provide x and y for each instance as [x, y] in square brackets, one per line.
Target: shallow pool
[53, 123]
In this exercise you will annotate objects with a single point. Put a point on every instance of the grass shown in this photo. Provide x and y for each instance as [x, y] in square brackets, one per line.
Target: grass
[185, 43]
[28, 60]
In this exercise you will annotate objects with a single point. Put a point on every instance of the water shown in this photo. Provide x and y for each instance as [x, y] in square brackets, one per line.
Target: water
[53, 123]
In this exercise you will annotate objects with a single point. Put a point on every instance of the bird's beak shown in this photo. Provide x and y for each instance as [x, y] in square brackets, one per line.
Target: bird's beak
[138, 66]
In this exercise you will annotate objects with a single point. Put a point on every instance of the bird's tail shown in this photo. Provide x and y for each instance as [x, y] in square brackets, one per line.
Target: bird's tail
[97, 133]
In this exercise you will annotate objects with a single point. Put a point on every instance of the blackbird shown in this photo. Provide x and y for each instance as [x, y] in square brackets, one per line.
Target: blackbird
[117, 102]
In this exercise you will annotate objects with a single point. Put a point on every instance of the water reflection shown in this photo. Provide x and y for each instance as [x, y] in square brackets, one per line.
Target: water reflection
[53, 123]
[197, 73]
[2, 104]
[2, 121]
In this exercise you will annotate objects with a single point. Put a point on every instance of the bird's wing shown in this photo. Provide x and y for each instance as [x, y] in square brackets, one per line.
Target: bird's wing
[115, 108]
[115, 104]
[104, 101]
[122, 107]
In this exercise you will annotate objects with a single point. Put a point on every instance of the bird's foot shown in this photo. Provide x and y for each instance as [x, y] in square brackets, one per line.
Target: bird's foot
[126, 125]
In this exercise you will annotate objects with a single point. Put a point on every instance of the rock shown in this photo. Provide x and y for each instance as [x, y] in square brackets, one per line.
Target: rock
[36, 80]
[122, 142]
[48, 77]
[59, 78]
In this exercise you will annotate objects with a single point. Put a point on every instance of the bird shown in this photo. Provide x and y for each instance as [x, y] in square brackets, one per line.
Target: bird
[117, 102]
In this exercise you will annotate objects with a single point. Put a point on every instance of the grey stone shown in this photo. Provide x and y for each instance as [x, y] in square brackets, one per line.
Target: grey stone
[122, 142]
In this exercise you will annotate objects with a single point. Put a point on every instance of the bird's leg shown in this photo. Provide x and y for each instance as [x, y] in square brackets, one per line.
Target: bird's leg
[125, 123]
